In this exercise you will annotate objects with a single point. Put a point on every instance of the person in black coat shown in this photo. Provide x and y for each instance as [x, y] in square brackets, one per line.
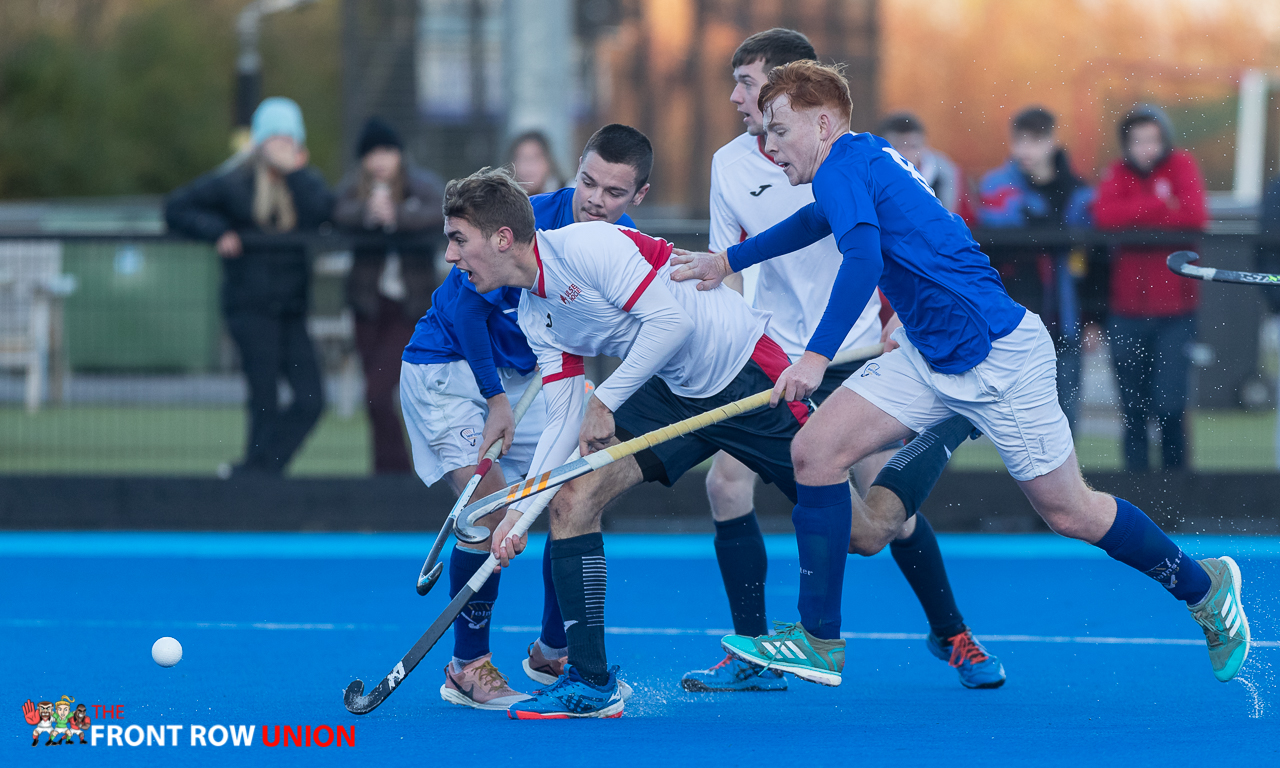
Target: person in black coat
[389, 194]
[265, 285]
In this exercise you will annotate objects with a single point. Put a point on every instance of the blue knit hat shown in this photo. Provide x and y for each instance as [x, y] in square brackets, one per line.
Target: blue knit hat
[278, 116]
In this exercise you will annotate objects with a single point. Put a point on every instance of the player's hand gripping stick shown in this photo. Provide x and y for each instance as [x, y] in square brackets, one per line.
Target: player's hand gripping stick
[431, 569]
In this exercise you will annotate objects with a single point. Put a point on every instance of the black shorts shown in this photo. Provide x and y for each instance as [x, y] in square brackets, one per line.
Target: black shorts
[835, 376]
[761, 439]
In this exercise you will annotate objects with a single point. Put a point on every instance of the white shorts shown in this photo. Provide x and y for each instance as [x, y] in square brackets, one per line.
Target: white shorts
[444, 414]
[1012, 396]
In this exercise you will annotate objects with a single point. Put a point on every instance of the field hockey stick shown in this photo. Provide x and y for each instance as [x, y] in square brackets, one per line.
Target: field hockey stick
[466, 528]
[354, 698]
[857, 353]
[431, 569]
[1180, 264]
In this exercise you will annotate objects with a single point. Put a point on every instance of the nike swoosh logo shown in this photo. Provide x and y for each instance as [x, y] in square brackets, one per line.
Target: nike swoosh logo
[569, 623]
[762, 188]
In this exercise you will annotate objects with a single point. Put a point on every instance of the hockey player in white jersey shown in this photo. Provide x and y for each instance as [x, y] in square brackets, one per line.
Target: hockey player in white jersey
[749, 194]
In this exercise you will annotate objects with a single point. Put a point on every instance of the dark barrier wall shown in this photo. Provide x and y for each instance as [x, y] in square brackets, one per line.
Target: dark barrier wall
[962, 502]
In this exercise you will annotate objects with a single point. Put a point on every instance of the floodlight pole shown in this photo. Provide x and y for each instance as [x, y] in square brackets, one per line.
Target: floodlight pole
[539, 73]
[249, 62]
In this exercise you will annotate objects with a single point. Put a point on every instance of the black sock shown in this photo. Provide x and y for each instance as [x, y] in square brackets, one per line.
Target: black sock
[580, 574]
[743, 565]
[920, 561]
[915, 468]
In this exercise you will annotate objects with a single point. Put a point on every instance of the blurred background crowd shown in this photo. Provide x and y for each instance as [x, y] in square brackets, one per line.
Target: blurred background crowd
[227, 208]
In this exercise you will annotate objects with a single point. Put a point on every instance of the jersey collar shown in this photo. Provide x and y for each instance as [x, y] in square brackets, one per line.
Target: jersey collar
[760, 146]
[539, 288]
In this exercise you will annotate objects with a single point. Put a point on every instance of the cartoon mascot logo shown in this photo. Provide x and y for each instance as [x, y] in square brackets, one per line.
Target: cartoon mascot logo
[57, 721]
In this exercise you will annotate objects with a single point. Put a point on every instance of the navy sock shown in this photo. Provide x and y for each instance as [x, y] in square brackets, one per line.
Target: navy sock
[580, 573]
[471, 628]
[743, 565]
[1139, 543]
[552, 623]
[916, 467]
[920, 561]
[822, 517]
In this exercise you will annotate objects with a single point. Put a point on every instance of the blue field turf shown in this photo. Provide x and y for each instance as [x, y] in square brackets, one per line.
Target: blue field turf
[1104, 667]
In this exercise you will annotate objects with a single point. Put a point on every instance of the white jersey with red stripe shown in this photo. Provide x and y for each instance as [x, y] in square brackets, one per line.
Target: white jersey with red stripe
[605, 290]
[749, 194]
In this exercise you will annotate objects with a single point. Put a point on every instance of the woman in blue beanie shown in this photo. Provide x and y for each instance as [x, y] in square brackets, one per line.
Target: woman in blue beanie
[265, 284]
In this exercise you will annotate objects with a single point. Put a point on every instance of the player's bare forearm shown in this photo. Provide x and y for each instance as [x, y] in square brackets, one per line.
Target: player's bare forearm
[709, 269]
[500, 425]
[597, 427]
[800, 379]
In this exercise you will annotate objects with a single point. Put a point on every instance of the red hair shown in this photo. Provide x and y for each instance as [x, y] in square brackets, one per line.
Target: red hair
[809, 85]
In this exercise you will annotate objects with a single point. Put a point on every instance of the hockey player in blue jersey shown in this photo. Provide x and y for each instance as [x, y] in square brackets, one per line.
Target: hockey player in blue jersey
[465, 365]
[965, 348]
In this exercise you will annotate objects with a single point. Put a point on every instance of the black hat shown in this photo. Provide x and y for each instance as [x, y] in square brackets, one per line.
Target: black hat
[377, 133]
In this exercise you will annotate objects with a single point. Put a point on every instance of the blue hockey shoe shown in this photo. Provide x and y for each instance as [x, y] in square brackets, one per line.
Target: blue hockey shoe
[977, 668]
[733, 674]
[571, 696]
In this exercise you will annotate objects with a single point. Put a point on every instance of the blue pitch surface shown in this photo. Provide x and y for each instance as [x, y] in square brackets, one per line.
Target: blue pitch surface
[1103, 666]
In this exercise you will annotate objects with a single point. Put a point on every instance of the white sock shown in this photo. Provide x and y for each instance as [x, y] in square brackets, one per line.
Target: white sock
[551, 653]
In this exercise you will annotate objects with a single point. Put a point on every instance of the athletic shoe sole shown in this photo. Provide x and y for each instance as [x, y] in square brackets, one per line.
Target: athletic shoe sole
[804, 672]
[454, 696]
[1244, 620]
[545, 679]
[608, 713]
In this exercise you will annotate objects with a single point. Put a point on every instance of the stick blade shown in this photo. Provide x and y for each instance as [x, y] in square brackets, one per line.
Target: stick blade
[427, 579]
[359, 704]
[1179, 260]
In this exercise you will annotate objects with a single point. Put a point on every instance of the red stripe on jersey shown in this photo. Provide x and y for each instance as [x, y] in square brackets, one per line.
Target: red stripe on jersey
[742, 238]
[631, 302]
[773, 361]
[886, 309]
[570, 366]
[654, 250]
[541, 290]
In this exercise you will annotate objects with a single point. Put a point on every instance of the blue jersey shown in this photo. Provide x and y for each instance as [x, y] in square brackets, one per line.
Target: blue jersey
[894, 232]
[436, 337]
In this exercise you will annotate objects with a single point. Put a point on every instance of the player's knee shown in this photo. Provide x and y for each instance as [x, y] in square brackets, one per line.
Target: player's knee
[865, 543]
[724, 489]
[572, 510]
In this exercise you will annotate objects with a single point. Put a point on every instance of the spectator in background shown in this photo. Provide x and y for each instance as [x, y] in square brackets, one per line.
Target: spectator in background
[1037, 188]
[533, 163]
[1153, 320]
[388, 290]
[906, 133]
[265, 283]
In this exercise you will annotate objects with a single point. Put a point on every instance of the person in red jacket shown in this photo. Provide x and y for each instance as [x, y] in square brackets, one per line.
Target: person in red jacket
[1153, 311]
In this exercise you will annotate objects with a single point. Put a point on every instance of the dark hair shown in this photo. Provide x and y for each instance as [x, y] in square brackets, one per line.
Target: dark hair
[489, 200]
[775, 47]
[1034, 120]
[617, 143]
[900, 122]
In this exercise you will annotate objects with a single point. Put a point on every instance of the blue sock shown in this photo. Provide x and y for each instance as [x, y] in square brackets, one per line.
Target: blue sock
[916, 467]
[920, 561]
[471, 628]
[743, 566]
[552, 625]
[1139, 543]
[822, 517]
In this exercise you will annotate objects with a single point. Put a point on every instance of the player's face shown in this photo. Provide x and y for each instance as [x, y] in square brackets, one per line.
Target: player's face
[749, 78]
[473, 253]
[792, 138]
[603, 191]
[1146, 144]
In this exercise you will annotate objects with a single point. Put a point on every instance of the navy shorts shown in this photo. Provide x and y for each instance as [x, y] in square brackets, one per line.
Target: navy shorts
[761, 439]
[834, 377]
